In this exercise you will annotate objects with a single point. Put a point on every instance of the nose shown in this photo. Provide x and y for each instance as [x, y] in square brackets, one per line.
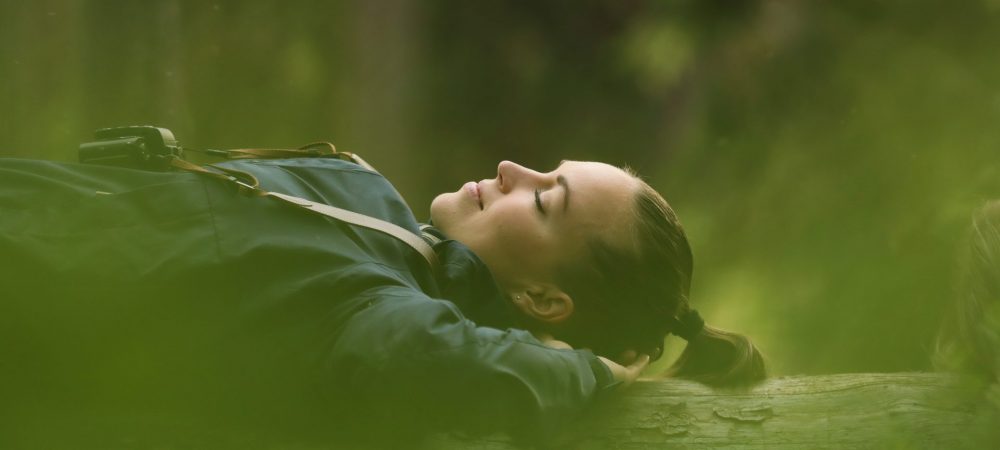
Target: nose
[509, 174]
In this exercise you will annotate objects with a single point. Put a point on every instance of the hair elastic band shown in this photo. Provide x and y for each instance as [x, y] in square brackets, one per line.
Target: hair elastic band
[689, 325]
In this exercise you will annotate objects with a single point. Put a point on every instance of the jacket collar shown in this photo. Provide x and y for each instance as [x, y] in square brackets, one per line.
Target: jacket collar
[465, 280]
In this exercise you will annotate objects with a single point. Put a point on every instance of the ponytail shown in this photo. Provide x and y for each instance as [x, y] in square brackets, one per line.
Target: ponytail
[717, 358]
[713, 356]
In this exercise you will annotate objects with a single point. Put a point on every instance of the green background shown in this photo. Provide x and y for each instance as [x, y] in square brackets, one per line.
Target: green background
[825, 157]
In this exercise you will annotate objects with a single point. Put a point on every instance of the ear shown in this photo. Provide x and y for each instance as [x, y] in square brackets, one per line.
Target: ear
[544, 303]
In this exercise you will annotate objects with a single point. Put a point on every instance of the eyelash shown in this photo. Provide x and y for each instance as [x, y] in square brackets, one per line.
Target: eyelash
[538, 201]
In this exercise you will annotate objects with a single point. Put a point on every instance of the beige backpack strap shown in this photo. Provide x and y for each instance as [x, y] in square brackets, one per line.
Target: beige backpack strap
[313, 150]
[247, 182]
[413, 240]
[357, 160]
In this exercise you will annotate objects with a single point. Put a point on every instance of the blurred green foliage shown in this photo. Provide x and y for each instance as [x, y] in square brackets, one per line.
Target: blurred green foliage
[824, 156]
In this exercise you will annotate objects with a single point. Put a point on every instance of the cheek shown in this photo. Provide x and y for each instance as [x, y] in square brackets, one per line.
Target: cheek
[513, 243]
[522, 235]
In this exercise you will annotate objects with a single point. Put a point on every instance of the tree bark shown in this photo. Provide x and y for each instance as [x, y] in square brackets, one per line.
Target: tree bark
[898, 411]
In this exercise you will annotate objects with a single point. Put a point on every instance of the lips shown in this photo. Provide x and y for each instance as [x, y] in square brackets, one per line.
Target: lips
[472, 188]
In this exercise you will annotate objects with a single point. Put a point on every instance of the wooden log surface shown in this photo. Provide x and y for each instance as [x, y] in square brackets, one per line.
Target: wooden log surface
[852, 411]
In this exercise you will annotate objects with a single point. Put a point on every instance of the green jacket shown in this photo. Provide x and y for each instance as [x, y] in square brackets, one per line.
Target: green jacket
[125, 290]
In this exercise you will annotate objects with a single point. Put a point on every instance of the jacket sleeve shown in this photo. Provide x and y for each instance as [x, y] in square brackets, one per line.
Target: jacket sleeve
[419, 358]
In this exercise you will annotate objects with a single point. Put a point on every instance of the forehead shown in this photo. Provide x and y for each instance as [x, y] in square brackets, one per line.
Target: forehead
[599, 193]
[597, 178]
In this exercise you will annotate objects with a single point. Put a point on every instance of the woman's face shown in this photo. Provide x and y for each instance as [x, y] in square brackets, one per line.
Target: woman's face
[524, 224]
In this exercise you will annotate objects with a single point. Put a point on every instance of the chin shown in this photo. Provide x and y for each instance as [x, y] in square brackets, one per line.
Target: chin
[442, 208]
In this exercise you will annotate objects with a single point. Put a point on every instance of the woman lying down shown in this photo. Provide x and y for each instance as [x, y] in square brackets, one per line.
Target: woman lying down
[142, 307]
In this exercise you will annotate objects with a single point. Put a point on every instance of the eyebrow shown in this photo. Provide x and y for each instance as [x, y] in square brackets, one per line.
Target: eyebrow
[565, 184]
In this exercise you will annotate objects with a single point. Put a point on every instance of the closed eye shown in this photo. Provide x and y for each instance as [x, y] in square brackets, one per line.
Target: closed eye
[538, 201]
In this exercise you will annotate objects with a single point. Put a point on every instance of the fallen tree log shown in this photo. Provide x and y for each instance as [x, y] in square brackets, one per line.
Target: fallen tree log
[895, 410]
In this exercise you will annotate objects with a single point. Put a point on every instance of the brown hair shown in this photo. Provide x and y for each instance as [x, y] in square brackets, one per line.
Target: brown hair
[970, 337]
[630, 299]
